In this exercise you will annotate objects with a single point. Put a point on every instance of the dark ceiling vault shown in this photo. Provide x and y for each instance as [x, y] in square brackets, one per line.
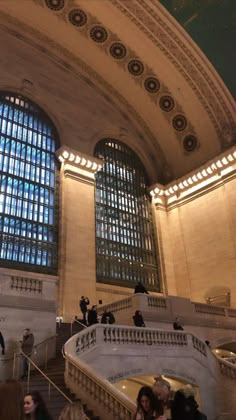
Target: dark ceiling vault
[212, 25]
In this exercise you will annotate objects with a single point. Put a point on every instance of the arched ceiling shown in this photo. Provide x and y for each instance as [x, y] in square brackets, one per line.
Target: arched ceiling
[175, 110]
[212, 25]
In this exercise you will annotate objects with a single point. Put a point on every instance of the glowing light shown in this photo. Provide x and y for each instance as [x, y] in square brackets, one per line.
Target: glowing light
[65, 154]
[199, 175]
[77, 159]
[71, 157]
[83, 162]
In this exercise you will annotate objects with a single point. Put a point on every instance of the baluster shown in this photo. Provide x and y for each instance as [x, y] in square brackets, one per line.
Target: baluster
[116, 335]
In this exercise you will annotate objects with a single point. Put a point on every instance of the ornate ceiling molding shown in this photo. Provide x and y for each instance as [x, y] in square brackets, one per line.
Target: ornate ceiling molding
[199, 73]
[74, 64]
[146, 78]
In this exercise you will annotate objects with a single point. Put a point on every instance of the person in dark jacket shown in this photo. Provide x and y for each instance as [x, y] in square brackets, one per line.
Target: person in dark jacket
[107, 317]
[177, 325]
[27, 347]
[138, 319]
[139, 288]
[92, 315]
[84, 302]
[2, 343]
[185, 407]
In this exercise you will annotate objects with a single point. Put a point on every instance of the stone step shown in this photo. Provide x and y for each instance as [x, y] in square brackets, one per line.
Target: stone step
[55, 371]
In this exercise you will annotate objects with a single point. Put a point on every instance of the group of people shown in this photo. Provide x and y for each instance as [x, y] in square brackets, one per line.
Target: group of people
[159, 403]
[90, 316]
[15, 406]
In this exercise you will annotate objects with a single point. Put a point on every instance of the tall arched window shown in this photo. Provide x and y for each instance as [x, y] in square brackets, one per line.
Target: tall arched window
[125, 245]
[28, 197]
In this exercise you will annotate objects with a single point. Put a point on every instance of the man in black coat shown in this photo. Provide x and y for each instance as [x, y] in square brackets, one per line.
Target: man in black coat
[107, 317]
[139, 288]
[2, 343]
[84, 302]
[92, 315]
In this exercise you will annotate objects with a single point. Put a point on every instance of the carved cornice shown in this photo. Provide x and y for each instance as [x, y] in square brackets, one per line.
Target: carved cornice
[78, 165]
[150, 20]
[212, 175]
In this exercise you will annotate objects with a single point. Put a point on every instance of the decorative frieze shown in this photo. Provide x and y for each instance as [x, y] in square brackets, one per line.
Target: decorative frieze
[210, 175]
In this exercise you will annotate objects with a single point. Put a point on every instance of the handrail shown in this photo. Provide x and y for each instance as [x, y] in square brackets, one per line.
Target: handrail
[44, 341]
[78, 322]
[100, 383]
[43, 374]
[4, 360]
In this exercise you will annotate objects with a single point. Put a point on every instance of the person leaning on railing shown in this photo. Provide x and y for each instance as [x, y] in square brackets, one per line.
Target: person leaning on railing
[138, 319]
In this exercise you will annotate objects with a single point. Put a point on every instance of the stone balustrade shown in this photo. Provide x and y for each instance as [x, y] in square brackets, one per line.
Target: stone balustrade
[203, 308]
[106, 400]
[118, 335]
[227, 368]
[101, 335]
[165, 309]
[117, 306]
[100, 340]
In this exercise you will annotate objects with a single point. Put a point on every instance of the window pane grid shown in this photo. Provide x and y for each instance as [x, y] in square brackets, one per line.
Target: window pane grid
[125, 245]
[28, 197]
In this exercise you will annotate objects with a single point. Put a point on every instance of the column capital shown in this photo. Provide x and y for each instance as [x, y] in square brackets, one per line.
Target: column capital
[78, 165]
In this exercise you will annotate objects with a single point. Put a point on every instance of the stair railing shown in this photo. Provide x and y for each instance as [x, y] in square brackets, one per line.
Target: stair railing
[51, 384]
[46, 348]
[78, 322]
[109, 399]
[42, 352]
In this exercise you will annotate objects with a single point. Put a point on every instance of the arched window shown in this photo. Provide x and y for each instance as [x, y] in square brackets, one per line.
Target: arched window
[28, 199]
[125, 245]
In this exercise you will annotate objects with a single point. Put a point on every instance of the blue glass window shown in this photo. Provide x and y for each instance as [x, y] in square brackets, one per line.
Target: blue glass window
[28, 186]
[125, 241]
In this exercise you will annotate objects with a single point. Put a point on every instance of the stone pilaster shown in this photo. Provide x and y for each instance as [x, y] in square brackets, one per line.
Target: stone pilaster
[77, 254]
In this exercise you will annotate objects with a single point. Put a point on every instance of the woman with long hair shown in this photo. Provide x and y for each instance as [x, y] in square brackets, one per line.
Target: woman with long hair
[73, 411]
[35, 408]
[148, 407]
